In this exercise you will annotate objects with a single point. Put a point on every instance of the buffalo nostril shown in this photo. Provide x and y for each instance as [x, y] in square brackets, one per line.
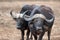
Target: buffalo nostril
[18, 27]
[39, 28]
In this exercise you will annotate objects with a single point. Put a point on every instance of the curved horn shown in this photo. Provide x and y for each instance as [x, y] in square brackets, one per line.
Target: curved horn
[50, 20]
[13, 14]
[24, 13]
[21, 14]
[28, 18]
[17, 15]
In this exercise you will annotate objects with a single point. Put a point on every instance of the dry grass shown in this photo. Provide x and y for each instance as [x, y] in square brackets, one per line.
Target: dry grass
[8, 29]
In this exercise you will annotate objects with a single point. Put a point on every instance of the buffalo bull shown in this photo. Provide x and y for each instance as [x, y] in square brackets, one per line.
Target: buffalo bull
[41, 22]
[21, 23]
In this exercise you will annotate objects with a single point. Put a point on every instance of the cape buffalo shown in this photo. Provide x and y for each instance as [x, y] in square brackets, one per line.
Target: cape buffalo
[41, 21]
[21, 23]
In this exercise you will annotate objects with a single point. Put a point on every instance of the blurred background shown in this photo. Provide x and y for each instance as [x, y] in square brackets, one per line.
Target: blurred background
[8, 29]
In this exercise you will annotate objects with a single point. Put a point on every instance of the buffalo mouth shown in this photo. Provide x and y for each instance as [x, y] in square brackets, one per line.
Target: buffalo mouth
[39, 31]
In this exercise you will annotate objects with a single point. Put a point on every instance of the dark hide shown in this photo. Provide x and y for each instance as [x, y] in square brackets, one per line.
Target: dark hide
[46, 26]
[30, 8]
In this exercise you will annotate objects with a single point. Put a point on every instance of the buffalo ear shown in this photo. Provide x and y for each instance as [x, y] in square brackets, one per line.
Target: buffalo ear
[15, 19]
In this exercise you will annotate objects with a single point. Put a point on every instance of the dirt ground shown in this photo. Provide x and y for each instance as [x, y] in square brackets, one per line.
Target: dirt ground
[8, 29]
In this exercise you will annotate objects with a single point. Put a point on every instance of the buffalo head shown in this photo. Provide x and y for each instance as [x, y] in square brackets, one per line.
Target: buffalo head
[18, 17]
